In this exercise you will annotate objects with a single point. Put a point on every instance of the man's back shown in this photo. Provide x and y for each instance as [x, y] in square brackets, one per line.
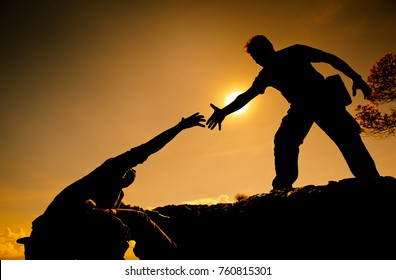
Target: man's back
[291, 72]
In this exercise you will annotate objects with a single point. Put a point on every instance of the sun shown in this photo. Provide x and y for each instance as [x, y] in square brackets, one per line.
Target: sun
[231, 97]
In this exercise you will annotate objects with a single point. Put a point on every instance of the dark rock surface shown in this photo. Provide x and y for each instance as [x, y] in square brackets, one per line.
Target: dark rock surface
[349, 219]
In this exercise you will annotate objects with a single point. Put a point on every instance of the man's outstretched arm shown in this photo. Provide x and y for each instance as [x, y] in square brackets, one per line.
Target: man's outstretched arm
[159, 141]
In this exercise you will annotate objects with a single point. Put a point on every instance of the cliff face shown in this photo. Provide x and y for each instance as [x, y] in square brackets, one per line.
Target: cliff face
[349, 219]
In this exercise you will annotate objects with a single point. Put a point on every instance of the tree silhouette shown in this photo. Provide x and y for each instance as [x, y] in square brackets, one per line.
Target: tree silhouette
[382, 81]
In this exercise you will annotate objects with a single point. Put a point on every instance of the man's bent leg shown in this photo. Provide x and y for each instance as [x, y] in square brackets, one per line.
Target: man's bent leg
[151, 241]
[290, 135]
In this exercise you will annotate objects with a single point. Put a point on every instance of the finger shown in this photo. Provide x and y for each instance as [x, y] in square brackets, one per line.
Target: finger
[213, 125]
[191, 117]
[201, 122]
[214, 107]
[354, 91]
[201, 118]
[219, 126]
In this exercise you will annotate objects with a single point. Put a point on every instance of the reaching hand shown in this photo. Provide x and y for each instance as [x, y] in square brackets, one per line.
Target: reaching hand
[193, 120]
[363, 86]
[216, 119]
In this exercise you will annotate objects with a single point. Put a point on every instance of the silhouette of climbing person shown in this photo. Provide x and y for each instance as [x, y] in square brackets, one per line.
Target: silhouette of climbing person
[88, 219]
[312, 98]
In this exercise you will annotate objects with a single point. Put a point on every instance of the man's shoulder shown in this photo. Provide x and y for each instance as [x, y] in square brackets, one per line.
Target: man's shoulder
[299, 52]
[294, 49]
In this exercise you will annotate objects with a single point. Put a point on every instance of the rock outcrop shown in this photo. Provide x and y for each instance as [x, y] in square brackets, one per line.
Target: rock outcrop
[349, 219]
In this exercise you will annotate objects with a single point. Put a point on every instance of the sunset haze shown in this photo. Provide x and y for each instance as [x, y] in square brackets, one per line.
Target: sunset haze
[83, 81]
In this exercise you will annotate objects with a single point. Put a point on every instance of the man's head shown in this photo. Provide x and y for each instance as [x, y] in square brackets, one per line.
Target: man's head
[259, 48]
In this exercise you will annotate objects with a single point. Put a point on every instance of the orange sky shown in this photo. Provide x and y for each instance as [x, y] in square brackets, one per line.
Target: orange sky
[82, 81]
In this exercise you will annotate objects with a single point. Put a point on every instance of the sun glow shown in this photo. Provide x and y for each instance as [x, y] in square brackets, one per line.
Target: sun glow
[231, 97]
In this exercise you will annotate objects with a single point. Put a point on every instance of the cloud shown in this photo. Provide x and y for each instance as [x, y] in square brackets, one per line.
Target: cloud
[9, 249]
[210, 200]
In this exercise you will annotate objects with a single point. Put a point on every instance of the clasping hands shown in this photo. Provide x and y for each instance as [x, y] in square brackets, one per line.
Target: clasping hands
[216, 119]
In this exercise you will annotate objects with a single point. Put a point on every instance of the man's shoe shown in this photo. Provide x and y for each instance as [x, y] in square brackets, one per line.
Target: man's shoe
[281, 189]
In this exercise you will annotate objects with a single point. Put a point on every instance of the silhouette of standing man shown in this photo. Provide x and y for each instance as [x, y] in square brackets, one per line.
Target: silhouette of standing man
[312, 98]
[86, 220]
